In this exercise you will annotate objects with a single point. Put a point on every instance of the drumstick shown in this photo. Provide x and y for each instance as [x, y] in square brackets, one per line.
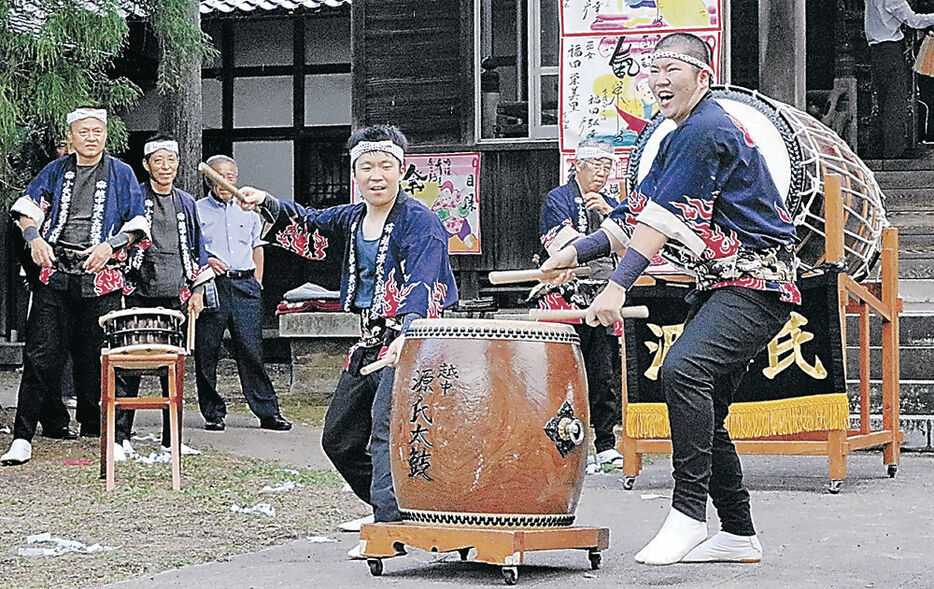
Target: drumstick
[509, 276]
[634, 312]
[212, 174]
[191, 332]
[381, 363]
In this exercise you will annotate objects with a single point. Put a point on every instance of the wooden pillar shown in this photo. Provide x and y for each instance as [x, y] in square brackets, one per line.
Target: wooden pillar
[782, 50]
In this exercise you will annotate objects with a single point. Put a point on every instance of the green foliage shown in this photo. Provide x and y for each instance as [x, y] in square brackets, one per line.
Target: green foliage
[56, 55]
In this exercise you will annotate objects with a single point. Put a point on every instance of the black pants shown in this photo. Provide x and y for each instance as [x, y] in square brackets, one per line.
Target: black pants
[598, 347]
[61, 322]
[891, 79]
[724, 330]
[127, 384]
[240, 309]
[356, 433]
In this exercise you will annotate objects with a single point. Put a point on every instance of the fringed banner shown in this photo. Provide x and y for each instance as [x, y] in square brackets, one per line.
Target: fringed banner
[752, 420]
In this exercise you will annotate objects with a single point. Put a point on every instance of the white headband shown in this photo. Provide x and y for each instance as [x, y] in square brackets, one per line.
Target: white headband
[154, 146]
[592, 152]
[685, 58]
[86, 113]
[367, 146]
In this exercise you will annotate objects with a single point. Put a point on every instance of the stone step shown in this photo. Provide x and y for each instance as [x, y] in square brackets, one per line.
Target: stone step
[916, 397]
[921, 268]
[914, 330]
[916, 363]
[913, 222]
[11, 354]
[893, 180]
[909, 199]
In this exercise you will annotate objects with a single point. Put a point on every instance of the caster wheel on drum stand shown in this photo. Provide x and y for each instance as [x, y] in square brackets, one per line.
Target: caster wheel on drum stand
[376, 566]
[835, 485]
[629, 483]
[595, 559]
[891, 470]
[511, 575]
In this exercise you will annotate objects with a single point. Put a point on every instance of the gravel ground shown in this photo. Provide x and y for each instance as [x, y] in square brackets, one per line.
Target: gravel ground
[153, 527]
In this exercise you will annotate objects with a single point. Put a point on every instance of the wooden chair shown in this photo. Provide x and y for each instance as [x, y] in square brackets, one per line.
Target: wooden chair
[145, 359]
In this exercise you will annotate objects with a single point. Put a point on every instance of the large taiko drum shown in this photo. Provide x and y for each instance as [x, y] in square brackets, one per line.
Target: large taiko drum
[799, 152]
[143, 330]
[489, 424]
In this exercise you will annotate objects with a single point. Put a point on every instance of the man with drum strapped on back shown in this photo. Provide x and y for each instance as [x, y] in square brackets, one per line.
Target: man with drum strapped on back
[569, 212]
[710, 192]
[396, 269]
[78, 216]
[170, 273]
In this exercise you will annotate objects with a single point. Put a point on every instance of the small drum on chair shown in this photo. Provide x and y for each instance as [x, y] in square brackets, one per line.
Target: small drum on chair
[798, 151]
[489, 424]
[142, 330]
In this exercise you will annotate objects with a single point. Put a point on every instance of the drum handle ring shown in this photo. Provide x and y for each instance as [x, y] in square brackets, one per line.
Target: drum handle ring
[571, 429]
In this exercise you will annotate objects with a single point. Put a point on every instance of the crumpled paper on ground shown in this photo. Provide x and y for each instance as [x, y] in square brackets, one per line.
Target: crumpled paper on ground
[258, 509]
[153, 458]
[281, 487]
[62, 546]
[321, 540]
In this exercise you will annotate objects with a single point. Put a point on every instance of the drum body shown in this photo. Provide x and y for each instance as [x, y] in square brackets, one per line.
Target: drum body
[143, 329]
[489, 424]
[799, 151]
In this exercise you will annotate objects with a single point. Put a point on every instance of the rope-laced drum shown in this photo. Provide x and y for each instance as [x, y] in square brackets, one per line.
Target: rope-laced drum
[799, 152]
[143, 330]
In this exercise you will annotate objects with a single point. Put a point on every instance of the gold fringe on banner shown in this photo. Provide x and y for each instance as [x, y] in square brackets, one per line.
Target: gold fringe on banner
[752, 420]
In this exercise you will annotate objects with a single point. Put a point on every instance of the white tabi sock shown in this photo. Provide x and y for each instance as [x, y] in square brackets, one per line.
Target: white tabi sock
[20, 453]
[726, 547]
[679, 534]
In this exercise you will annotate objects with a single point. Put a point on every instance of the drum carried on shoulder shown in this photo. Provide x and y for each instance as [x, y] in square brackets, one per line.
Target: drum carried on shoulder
[143, 330]
[798, 150]
[489, 424]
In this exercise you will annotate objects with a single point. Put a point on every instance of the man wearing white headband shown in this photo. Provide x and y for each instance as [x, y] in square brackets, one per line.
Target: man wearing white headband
[709, 205]
[396, 269]
[78, 217]
[568, 213]
[170, 272]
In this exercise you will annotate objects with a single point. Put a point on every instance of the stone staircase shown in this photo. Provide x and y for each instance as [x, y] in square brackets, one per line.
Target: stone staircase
[909, 189]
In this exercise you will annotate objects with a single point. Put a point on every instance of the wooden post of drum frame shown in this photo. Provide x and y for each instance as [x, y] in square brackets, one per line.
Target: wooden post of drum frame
[174, 362]
[505, 547]
[855, 298]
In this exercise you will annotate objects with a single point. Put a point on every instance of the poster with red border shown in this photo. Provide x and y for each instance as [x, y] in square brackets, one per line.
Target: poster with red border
[449, 185]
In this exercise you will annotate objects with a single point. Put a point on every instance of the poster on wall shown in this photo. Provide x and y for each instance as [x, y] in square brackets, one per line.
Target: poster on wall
[605, 89]
[584, 17]
[448, 184]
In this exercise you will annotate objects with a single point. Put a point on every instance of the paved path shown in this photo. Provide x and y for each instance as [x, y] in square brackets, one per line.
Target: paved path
[877, 533]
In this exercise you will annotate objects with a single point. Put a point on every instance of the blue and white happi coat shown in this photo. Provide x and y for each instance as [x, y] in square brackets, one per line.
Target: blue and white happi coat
[118, 208]
[193, 255]
[413, 272]
[709, 190]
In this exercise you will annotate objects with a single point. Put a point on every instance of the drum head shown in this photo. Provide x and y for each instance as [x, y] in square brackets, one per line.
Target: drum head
[769, 131]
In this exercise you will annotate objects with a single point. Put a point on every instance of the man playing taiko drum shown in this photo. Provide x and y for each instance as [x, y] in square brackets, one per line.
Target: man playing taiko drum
[396, 269]
[709, 191]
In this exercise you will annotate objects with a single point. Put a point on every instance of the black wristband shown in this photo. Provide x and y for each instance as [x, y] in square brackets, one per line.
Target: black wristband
[630, 268]
[269, 208]
[30, 233]
[596, 245]
[118, 241]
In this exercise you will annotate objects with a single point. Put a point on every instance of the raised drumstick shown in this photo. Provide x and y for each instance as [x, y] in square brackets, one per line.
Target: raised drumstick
[634, 312]
[381, 363]
[511, 276]
[212, 175]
